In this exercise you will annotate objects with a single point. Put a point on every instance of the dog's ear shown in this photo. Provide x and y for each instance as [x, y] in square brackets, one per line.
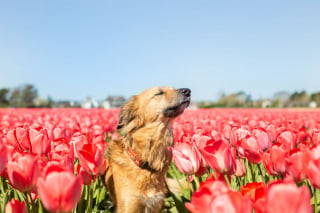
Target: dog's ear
[129, 114]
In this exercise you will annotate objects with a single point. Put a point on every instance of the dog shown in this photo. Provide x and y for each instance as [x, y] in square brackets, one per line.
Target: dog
[137, 162]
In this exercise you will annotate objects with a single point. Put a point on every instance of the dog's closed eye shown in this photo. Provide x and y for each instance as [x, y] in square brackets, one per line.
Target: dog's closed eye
[161, 92]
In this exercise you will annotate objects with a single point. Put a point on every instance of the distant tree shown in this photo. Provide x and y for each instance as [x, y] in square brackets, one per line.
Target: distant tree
[315, 97]
[4, 96]
[28, 94]
[299, 99]
[23, 96]
[15, 98]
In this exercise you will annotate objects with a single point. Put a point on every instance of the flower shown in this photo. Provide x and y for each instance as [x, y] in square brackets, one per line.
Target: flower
[90, 155]
[219, 157]
[59, 190]
[274, 160]
[286, 197]
[15, 206]
[186, 157]
[215, 196]
[23, 171]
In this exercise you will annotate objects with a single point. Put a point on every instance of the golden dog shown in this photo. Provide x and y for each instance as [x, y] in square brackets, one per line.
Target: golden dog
[138, 161]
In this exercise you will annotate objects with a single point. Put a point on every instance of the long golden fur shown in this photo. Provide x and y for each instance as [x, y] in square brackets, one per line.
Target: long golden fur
[145, 123]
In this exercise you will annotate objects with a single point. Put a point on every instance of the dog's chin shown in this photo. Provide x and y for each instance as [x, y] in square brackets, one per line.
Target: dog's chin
[176, 110]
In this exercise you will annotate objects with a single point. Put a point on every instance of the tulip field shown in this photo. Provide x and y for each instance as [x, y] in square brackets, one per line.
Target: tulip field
[224, 160]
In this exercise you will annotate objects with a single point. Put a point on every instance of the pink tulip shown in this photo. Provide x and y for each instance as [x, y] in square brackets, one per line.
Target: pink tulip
[282, 197]
[60, 191]
[186, 157]
[288, 139]
[39, 140]
[252, 150]
[240, 168]
[15, 206]
[23, 171]
[274, 160]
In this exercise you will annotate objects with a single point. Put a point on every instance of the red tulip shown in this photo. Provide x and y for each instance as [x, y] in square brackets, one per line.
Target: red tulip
[15, 206]
[90, 156]
[282, 197]
[215, 196]
[3, 156]
[19, 138]
[201, 199]
[186, 157]
[60, 191]
[23, 171]
[312, 165]
[231, 201]
[256, 192]
[219, 157]
[295, 166]
[85, 176]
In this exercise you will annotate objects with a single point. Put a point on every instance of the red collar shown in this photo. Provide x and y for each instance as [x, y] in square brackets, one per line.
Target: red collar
[136, 160]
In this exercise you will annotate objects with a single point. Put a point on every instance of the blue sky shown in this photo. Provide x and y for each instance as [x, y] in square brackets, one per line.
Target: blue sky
[73, 49]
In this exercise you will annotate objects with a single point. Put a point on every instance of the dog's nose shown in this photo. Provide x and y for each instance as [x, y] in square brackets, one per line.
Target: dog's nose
[185, 91]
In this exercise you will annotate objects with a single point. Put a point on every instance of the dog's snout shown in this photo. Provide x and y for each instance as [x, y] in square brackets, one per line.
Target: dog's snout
[185, 91]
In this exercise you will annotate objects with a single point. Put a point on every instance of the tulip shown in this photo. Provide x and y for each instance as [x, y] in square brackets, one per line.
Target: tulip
[274, 160]
[3, 156]
[186, 157]
[23, 171]
[201, 199]
[60, 191]
[312, 166]
[91, 158]
[251, 149]
[262, 138]
[219, 157]
[215, 196]
[15, 206]
[240, 168]
[39, 141]
[295, 166]
[282, 197]
[256, 192]
[288, 139]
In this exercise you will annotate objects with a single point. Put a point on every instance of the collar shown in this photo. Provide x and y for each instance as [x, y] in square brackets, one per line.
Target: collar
[141, 164]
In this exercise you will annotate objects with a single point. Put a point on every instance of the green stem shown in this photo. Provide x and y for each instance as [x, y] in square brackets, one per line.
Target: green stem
[252, 173]
[227, 180]
[196, 180]
[32, 202]
[261, 173]
[315, 200]
[1, 185]
[90, 197]
[27, 201]
[40, 208]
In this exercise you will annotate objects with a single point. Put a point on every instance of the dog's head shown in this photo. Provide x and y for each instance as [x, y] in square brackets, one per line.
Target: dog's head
[154, 105]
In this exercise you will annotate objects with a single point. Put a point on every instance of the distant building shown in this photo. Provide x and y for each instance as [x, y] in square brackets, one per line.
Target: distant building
[113, 102]
[89, 103]
[66, 104]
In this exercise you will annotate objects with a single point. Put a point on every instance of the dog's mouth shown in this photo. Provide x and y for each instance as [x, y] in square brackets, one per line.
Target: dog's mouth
[177, 109]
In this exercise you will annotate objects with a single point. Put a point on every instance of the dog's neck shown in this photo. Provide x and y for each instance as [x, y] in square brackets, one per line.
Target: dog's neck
[150, 144]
